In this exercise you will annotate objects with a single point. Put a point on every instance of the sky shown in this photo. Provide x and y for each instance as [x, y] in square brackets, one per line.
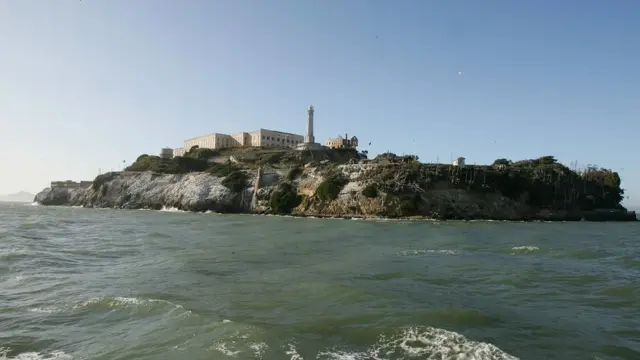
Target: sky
[88, 84]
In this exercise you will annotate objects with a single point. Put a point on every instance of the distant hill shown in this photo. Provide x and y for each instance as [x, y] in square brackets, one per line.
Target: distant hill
[18, 197]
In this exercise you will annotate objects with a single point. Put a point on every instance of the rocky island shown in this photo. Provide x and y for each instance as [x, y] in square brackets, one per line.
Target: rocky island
[344, 183]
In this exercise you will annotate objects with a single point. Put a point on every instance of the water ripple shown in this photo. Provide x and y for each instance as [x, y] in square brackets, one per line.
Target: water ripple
[104, 284]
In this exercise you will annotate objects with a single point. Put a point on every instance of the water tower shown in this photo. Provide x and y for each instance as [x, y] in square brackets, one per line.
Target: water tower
[166, 153]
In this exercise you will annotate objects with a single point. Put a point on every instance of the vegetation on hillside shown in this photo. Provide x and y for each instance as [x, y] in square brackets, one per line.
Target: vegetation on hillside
[235, 181]
[331, 186]
[284, 199]
[102, 179]
[197, 160]
[541, 182]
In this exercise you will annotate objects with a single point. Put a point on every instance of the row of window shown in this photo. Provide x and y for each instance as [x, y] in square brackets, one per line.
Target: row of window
[288, 141]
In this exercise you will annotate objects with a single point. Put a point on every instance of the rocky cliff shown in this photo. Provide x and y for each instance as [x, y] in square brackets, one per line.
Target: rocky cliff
[347, 190]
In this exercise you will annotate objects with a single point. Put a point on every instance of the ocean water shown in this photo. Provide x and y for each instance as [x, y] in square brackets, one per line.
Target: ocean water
[112, 284]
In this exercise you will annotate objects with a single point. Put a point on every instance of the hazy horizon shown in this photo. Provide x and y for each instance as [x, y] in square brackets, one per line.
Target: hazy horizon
[21, 196]
[88, 84]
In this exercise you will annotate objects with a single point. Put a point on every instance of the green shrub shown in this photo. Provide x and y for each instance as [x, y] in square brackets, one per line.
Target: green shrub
[177, 165]
[331, 187]
[284, 199]
[410, 204]
[271, 158]
[235, 181]
[222, 170]
[102, 179]
[146, 163]
[142, 157]
[294, 173]
[189, 164]
[370, 191]
[202, 153]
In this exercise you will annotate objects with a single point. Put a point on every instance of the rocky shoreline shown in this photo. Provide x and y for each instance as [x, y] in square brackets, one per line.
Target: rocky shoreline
[263, 191]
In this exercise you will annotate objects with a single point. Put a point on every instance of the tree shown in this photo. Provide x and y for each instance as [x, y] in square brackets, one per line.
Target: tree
[502, 161]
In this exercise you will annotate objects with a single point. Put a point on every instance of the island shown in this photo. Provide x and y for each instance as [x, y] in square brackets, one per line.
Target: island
[344, 183]
[21, 196]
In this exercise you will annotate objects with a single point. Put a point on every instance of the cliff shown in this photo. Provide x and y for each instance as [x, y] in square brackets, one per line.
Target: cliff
[390, 186]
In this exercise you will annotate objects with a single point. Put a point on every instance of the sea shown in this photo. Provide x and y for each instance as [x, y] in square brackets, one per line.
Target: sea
[111, 284]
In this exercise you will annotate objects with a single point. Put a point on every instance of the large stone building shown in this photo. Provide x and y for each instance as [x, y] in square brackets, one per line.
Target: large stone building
[262, 137]
[258, 138]
[342, 142]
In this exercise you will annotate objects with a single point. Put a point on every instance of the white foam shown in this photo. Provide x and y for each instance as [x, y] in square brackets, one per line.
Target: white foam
[54, 355]
[427, 251]
[119, 302]
[47, 310]
[171, 209]
[259, 349]
[423, 343]
[408, 343]
[293, 352]
[222, 347]
[524, 249]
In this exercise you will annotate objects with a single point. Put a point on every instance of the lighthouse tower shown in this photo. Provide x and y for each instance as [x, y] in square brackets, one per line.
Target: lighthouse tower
[309, 139]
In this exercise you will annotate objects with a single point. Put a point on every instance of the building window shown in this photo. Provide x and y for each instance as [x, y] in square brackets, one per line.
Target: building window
[263, 137]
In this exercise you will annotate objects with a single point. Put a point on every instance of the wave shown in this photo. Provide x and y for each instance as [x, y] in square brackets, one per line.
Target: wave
[523, 249]
[123, 302]
[171, 209]
[406, 343]
[54, 355]
[423, 343]
[427, 251]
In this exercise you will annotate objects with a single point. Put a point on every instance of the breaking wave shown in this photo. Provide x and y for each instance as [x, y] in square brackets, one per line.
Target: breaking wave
[523, 249]
[427, 251]
[97, 303]
[407, 343]
[54, 355]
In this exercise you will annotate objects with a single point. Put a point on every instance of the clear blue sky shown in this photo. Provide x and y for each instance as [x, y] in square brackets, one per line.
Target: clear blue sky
[86, 84]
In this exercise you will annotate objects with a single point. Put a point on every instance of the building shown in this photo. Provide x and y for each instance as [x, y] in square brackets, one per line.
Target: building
[309, 140]
[342, 142]
[258, 138]
[459, 162]
[178, 152]
[71, 184]
[166, 153]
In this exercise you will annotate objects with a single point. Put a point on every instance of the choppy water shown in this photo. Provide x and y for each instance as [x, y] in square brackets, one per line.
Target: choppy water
[111, 284]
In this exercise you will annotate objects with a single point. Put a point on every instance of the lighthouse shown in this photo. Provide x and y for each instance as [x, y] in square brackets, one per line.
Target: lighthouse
[310, 139]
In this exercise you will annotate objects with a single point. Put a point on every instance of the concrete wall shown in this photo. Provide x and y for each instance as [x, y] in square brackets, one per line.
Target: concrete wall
[178, 151]
[272, 138]
[262, 137]
[206, 141]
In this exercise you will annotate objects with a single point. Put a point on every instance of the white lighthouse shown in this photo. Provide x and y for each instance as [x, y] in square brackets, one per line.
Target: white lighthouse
[310, 139]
